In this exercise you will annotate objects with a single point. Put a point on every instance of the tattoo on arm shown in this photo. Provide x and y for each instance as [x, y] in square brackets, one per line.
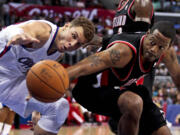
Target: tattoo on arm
[95, 60]
[115, 56]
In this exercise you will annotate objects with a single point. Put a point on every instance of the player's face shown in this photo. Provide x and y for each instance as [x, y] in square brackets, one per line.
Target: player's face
[155, 44]
[71, 38]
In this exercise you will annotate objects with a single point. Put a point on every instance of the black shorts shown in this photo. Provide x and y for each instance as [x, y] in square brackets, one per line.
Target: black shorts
[103, 101]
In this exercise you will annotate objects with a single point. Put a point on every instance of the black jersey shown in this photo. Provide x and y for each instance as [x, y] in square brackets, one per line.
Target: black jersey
[134, 69]
[103, 100]
[124, 19]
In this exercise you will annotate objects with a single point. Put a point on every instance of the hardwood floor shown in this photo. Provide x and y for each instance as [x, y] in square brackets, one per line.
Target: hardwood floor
[86, 129]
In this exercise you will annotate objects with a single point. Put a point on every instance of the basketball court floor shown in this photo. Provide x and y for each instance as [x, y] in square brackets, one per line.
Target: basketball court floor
[86, 129]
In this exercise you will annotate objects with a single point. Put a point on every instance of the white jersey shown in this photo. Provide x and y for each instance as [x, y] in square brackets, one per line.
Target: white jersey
[16, 60]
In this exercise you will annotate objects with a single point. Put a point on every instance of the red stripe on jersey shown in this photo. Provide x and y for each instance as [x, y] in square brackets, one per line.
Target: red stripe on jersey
[104, 78]
[120, 7]
[152, 12]
[140, 58]
[129, 11]
[5, 50]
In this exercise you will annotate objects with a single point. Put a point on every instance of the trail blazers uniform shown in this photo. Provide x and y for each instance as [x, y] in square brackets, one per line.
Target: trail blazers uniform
[124, 19]
[124, 22]
[103, 100]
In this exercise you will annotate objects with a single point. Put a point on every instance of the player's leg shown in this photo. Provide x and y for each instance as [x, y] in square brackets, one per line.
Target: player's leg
[53, 114]
[104, 101]
[152, 119]
[131, 106]
[164, 130]
[8, 121]
[3, 115]
[10, 116]
[148, 81]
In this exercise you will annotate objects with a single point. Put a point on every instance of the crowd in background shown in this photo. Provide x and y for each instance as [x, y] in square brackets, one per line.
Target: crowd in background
[167, 5]
[67, 3]
[164, 91]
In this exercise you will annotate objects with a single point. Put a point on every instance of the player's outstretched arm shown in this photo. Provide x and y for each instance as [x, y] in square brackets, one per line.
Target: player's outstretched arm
[117, 56]
[171, 62]
[22, 39]
[143, 10]
[29, 34]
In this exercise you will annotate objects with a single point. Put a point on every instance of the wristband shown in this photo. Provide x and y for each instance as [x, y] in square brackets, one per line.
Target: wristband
[143, 19]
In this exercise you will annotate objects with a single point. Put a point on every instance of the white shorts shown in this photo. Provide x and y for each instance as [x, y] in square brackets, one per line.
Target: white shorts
[53, 114]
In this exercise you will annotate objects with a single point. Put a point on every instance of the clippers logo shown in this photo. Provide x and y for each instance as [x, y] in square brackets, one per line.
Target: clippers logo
[25, 64]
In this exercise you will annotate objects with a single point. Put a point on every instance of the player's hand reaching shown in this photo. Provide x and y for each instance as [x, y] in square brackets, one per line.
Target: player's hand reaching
[34, 119]
[28, 97]
[23, 39]
[143, 10]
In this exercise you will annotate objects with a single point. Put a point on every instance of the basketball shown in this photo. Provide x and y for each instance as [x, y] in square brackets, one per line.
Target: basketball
[47, 81]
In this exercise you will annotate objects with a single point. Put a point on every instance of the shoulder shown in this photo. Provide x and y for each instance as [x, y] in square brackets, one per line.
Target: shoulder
[34, 24]
[121, 48]
[37, 27]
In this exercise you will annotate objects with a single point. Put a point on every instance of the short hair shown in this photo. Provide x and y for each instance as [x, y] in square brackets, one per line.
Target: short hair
[166, 28]
[87, 25]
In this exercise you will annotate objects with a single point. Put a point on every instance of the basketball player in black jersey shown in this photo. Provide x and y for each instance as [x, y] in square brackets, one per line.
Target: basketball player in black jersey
[131, 16]
[129, 56]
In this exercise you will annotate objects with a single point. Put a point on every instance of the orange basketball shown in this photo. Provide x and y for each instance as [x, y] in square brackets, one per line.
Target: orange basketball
[47, 81]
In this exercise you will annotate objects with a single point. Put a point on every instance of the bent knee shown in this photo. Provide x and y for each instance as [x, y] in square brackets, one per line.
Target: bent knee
[130, 102]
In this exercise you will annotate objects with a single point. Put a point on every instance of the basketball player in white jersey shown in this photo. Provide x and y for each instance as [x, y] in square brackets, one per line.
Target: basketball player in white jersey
[24, 44]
